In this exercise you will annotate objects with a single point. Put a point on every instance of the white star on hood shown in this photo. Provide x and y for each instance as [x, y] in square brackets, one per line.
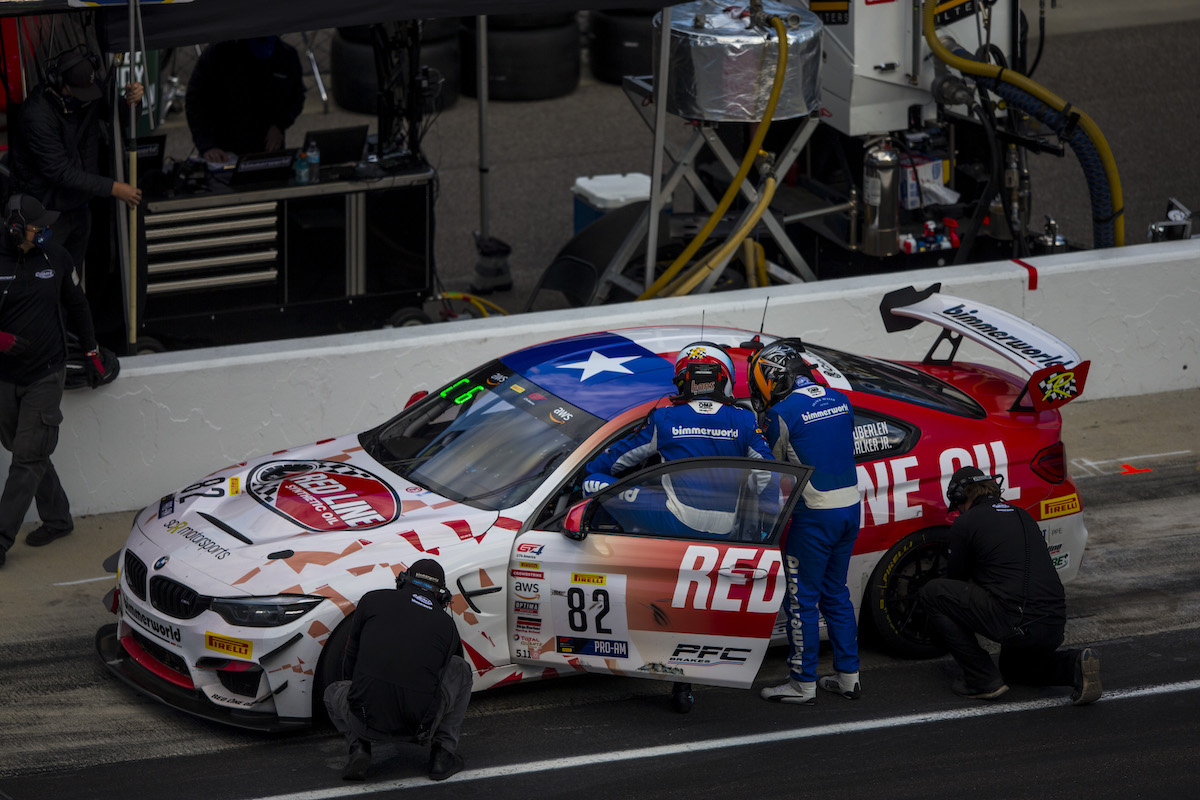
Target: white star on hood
[598, 362]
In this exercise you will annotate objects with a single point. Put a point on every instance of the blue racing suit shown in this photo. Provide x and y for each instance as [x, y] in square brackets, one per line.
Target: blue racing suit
[814, 425]
[699, 501]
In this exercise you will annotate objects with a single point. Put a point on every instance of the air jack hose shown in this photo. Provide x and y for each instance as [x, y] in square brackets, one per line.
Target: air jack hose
[744, 170]
[1073, 126]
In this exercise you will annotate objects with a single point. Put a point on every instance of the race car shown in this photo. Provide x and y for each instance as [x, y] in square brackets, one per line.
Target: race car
[234, 594]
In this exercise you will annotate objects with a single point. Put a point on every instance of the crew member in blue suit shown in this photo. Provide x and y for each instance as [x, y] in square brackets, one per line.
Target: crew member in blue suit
[809, 423]
[700, 422]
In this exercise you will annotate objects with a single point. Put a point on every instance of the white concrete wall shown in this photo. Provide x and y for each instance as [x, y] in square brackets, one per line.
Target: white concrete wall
[174, 417]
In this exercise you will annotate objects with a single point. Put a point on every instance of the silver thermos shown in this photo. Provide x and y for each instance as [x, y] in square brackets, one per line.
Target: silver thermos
[881, 195]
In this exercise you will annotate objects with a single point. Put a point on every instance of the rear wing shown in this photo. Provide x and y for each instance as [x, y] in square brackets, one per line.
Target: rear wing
[1056, 374]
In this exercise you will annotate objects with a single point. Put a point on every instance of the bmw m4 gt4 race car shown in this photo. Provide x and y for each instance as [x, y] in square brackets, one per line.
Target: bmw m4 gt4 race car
[234, 594]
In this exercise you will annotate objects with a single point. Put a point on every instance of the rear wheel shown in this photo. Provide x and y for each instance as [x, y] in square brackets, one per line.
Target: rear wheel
[897, 614]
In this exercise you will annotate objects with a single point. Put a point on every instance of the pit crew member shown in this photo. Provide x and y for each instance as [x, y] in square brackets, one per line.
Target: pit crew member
[809, 423]
[408, 677]
[1001, 583]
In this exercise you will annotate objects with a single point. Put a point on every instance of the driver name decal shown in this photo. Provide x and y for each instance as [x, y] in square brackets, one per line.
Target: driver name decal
[324, 495]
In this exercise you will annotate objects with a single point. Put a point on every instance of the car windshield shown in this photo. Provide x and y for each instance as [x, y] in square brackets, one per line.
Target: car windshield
[488, 439]
[888, 379]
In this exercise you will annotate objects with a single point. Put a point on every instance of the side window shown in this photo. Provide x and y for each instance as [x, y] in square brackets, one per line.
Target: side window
[877, 436]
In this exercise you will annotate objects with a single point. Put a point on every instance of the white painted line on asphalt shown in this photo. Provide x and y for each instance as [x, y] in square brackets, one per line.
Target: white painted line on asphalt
[571, 762]
[1097, 468]
[85, 580]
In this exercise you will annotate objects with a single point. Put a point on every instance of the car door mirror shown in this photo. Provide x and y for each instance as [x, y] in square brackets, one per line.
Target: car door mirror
[573, 522]
[417, 395]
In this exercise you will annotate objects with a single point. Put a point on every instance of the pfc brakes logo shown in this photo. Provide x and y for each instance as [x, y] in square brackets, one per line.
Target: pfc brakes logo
[704, 655]
[323, 496]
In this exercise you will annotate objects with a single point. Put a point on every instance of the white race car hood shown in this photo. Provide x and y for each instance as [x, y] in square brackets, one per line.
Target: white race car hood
[320, 507]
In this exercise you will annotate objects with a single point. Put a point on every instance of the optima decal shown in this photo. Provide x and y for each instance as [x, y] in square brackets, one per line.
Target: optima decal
[323, 495]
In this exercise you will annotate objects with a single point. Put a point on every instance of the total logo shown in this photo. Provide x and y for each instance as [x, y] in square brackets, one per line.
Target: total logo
[324, 495]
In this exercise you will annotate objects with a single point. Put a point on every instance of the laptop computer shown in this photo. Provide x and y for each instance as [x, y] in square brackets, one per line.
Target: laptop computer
[339, 145]
[263, 168]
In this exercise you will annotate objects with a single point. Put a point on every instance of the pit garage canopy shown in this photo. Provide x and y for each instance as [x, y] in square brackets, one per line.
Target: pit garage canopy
[181, 24]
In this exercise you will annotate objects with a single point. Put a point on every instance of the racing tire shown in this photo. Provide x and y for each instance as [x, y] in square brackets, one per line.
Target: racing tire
[352, 73]
[523, 22]
[620, 43]
[408, 318]
[329, 669]
[891, 597]
[525, 64]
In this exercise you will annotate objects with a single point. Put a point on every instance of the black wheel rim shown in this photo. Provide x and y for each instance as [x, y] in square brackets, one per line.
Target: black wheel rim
[919, 566]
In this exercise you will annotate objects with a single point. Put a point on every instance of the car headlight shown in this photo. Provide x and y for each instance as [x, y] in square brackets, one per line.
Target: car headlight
[264, 612]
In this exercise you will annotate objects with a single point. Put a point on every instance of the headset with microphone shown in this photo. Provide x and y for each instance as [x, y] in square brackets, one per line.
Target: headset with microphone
[956, 492]
[16, 224]
[441, 593]
[58, 66]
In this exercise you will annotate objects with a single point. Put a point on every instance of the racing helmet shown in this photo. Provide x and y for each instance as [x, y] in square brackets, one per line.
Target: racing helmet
[703, 369]
[773, 371]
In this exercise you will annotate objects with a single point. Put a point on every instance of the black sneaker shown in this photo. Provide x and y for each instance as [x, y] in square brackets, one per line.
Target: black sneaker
[360, 759]
[1087, 678]
[960, 688]
[443, 763]
[45, 535]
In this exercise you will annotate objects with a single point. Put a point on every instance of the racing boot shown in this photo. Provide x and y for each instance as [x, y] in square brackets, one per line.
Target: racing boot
[360, 759]
[961, 689]
[1087, 678]
[443, 763]
[799, 692]
[843, 683]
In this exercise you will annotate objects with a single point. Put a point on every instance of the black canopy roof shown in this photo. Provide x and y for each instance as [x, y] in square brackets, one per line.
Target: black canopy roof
[178, 24]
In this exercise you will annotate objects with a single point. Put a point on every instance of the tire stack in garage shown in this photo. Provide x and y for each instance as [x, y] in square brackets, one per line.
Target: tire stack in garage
[530, 56]
[620, 43]
[352, 64]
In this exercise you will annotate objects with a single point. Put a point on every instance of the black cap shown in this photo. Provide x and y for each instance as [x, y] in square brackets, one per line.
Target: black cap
[30, 210]
[961, 478]
[429, 572]
[81, 77]
[963, 473]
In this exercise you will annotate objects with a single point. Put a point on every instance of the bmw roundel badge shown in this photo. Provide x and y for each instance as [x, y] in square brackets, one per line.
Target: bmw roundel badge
[162, 562]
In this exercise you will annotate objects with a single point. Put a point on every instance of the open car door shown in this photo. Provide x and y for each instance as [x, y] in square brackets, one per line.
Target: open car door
[635, 583]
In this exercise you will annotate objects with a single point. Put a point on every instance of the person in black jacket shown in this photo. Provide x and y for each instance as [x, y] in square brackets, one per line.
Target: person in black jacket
[1002, 584]
[39, 291]
[408, 676]
[56, 154]
[242, 96]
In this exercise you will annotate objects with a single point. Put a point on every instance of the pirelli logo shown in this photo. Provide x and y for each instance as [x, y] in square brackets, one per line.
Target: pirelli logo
[1060, 506]
[235, 485]
[228, 646]
[590, 580]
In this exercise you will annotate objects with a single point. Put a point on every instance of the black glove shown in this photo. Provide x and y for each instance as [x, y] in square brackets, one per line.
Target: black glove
[12, 345]
[94, 367]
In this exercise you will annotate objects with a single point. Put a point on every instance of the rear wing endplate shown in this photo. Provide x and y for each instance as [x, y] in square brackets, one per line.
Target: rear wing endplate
[1056, 374]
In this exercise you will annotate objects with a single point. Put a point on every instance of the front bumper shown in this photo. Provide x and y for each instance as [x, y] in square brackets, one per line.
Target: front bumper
[192, 701]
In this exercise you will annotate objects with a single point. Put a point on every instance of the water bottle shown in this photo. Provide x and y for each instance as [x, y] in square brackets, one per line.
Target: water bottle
[302, 168]
[314, 163]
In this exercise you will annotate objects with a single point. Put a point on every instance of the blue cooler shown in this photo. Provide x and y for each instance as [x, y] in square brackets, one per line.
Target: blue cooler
[599, 194]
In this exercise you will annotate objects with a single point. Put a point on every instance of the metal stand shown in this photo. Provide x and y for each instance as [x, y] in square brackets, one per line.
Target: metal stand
[640, 91]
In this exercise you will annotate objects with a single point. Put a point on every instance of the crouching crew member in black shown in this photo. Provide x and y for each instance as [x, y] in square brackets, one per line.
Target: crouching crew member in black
[408, 678]
[1002, 584]
[39, 292]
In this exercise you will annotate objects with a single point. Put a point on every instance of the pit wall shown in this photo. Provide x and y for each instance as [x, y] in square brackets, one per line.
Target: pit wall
[172, 418]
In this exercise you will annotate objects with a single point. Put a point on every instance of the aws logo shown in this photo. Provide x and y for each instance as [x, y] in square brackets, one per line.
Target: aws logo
[560, 415]
[527, 590]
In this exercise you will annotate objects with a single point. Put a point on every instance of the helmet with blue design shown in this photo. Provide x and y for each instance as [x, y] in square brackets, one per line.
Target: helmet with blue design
[703, 369]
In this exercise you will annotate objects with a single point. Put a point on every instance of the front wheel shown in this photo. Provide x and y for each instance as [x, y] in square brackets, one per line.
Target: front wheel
[329, 668]
[895, 610]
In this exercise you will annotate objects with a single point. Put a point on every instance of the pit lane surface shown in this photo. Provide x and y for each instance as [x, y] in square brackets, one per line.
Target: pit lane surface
[70, 730]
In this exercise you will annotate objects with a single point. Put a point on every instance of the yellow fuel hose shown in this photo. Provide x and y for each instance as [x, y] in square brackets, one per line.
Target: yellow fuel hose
[474, 300]
[697, 274]
[1041, 93]
[743, 170]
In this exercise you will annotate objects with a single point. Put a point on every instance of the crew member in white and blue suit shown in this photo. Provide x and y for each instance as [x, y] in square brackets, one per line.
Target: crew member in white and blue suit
[810, 423]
